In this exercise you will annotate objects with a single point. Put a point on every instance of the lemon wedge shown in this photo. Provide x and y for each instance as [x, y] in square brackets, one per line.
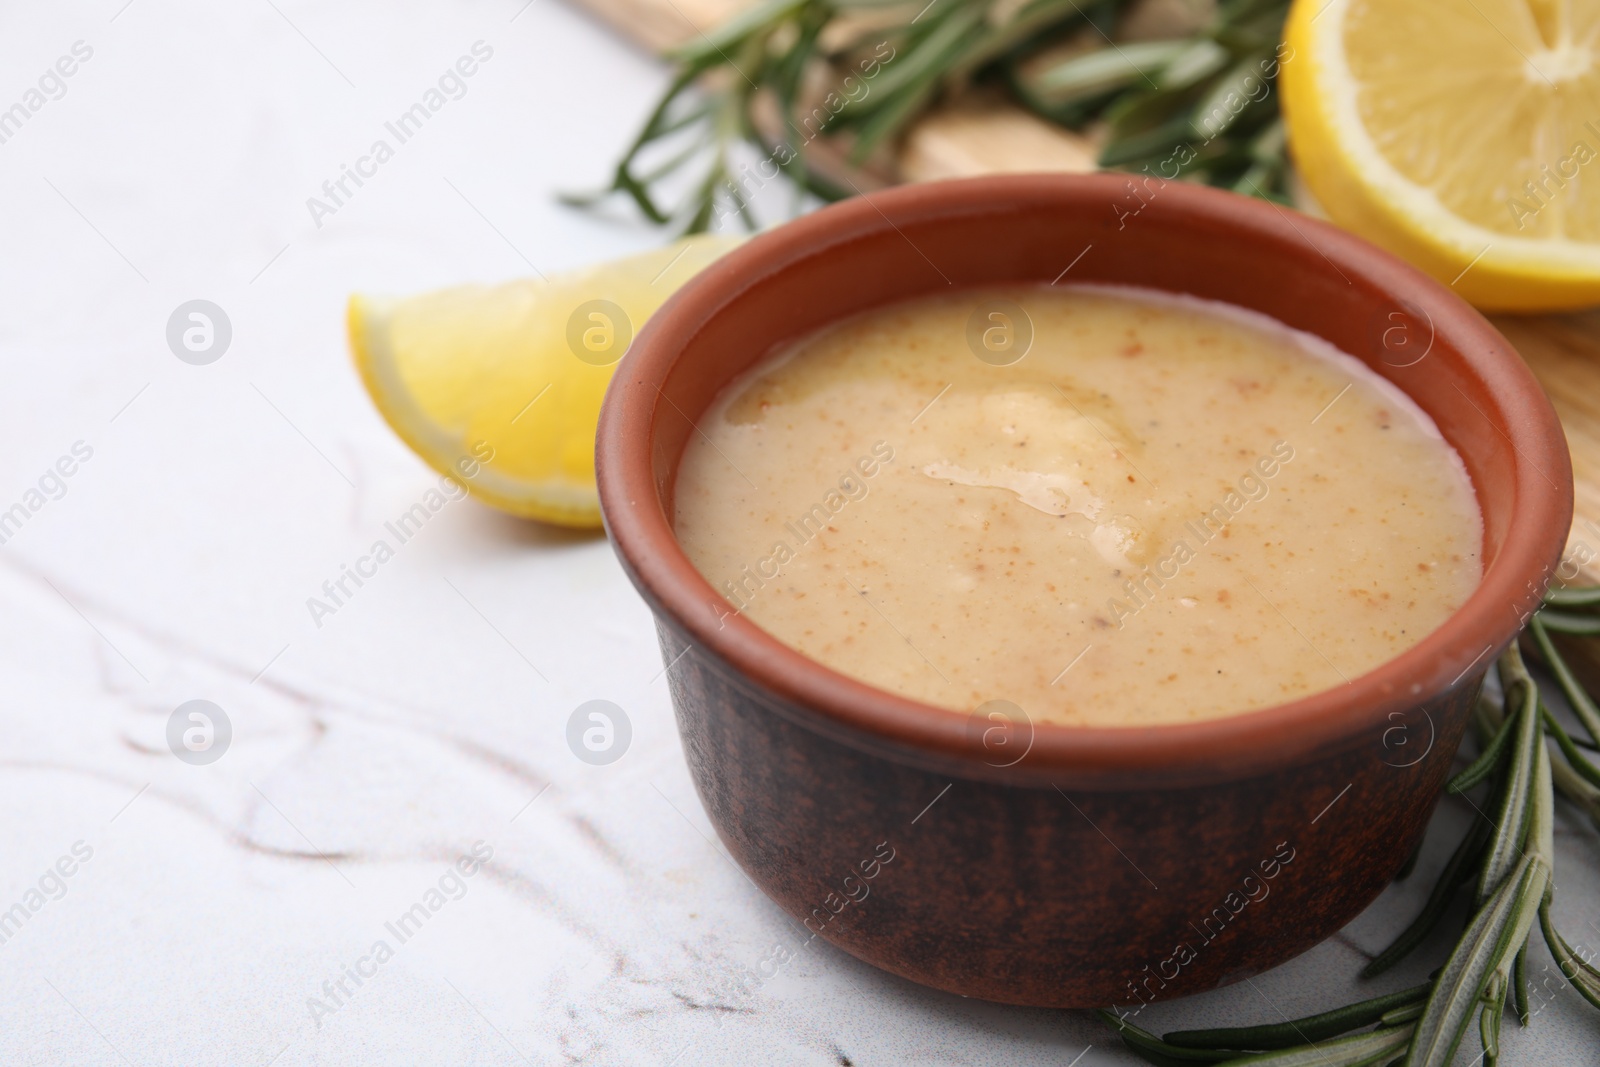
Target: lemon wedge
[500, 386]
[1462, 135]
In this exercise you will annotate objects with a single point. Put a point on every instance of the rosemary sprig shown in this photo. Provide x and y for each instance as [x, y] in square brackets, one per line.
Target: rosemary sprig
[1510, 860]
[1329, 1024]
[790, 77]
[1202, 107]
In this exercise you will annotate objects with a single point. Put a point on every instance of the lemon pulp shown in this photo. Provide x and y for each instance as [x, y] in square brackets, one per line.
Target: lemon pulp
[1463, 135]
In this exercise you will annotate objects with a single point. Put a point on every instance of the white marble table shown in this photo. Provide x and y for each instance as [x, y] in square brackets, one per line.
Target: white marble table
[220, 905]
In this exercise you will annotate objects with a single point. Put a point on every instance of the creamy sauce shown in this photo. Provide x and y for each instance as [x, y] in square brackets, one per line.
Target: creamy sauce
[1167, 509]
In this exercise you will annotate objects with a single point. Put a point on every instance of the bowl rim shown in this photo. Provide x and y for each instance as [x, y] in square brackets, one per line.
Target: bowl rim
[1457, 652]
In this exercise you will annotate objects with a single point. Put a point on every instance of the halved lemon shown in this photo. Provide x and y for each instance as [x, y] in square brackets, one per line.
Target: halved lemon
[1462, 135]
[500, 386]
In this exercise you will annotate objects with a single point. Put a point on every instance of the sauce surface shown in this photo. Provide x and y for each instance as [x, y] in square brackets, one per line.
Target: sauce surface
[1166, 509]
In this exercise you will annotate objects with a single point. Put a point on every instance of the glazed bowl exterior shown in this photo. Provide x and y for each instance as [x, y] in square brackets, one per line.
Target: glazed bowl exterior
[1105, 865]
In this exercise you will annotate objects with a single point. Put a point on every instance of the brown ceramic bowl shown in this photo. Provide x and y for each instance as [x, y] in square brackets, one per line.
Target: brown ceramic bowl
[1107, 865]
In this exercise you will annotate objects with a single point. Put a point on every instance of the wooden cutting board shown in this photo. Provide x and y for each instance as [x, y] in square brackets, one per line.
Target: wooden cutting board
[992, 136]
